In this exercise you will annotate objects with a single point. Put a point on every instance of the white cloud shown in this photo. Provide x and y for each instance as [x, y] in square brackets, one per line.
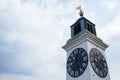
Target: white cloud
[115, 68]
[111, 29]
[2, 4]
[38, 34]
[15, 77]
[110, 4]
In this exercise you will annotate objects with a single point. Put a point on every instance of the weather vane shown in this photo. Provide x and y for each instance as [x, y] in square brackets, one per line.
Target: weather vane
[81, 12]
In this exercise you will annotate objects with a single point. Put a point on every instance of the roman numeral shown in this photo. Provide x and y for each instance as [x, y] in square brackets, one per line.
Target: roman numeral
[81, 70]
[79, 51]
[76, 73]
[76, 51]
[69, 69]
[85, 58]
[69, 64]
[83, 53]
[72, 73]
[84, 64]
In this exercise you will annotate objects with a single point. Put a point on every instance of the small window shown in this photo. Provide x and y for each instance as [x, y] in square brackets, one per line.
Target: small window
[89, 28]
[77, 29]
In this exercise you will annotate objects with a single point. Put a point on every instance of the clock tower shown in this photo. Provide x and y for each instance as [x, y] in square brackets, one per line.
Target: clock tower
[85, 53]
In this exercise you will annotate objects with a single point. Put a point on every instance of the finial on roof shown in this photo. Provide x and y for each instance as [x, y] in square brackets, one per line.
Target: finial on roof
[81, 12]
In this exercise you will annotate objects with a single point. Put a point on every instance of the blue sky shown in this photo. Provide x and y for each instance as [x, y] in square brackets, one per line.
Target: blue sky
[32, 33]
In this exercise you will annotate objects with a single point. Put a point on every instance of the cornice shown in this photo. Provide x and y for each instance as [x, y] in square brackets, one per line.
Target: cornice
[82, 37]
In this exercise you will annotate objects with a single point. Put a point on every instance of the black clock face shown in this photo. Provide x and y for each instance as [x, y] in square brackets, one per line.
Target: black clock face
[98, 63]
[77, 62]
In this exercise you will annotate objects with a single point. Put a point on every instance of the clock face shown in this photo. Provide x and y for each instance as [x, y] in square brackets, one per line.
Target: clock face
[77, 62]
[98, 63]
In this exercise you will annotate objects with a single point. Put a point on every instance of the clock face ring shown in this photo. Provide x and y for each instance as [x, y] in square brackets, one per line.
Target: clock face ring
[98, 63]
[77, 62]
